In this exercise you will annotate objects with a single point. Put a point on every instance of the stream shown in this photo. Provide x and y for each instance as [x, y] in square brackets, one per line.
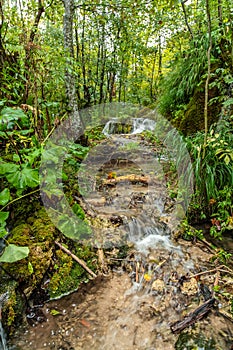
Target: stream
[133, 305]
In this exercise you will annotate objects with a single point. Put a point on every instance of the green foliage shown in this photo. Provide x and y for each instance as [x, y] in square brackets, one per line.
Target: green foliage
[5, 196]
[11, 117]
[213, 177]
[222, 213]
[3, 217]
[178, 85]
[213, 172]
[222, 256]
[13, 253]
[19, 176]
[189, 233]
[78, 211]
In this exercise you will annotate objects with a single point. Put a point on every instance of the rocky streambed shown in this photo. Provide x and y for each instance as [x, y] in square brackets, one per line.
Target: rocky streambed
[139, 297]
[150, 284]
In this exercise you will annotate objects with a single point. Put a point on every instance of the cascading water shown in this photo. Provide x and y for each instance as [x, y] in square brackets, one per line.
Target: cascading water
[142, 124]
[132, 126]
[3, 343]
[135, 307]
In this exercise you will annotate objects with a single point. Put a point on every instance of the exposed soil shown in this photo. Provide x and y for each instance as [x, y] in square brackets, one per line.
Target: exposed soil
[116, 312]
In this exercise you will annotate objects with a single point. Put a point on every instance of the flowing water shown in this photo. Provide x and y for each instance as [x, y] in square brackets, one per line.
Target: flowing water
[133, 306]
[132, 126]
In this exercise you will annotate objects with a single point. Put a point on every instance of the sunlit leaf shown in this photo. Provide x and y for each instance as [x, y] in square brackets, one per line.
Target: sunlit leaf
[13, 253]
[8, 168]
[26, 177]
[227, 159]
[3, 216]
[5, 196]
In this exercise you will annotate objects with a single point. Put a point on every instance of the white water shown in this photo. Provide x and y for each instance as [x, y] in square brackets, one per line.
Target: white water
[141, 124]
[138, 125]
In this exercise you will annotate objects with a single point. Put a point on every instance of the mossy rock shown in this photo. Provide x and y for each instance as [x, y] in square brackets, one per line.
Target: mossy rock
[192, 341]
[193, 116]
[13, 308]
[24, 209]
[38, 234]
[68, 273]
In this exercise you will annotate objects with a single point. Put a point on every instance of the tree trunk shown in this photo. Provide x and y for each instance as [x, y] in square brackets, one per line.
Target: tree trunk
[208, 76]
[29, 47]
[69, 51]
[186, 19]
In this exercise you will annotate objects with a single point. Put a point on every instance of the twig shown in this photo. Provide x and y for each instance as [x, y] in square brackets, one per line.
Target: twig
[54, 127]
[206, 272]
[226, 271]
[209, 246]
[80, 261]
[18, 198]
[161, 263]
[216, 278]
[137, 270]
[226, 315]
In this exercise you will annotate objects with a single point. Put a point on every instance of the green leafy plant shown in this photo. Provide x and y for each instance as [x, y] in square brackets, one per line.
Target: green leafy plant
[222, 256]
[189, 232]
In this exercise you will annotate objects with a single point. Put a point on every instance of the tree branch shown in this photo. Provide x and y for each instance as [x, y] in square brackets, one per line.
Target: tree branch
[79, 261]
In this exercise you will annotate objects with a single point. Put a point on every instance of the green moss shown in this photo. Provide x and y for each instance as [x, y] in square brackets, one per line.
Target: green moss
[20, 235]
[39, 235]
[68, 273]
[64, 279]
[189, 341]
[12, 309]
[191, 118]
[43, 230]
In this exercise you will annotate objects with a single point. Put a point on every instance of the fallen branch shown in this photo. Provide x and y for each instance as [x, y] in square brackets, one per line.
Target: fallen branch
[225, 314]
[129, 178]
[206, 272]
[194, 316]
[208, 245]
[79, 261]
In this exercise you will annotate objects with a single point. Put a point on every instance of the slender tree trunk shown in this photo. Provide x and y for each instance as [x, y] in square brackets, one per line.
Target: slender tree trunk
[114, 69]
[97, 67]
[121, 78]
[208, 75]
[160, 57]
[78, 60]
[28, 48]
[220, 20]
[69, 76]
[186, 18]
[152, 76]
[102, 65]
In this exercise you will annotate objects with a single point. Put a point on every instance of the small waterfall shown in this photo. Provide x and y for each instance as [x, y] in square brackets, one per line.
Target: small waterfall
[110, 127]
[141, 124]
[148, 234]
[3, 345]
[132, 126]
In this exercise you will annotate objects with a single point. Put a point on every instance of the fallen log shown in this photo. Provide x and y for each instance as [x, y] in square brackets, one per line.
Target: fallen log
[78, 260]
[193, 317]
[128, 178]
